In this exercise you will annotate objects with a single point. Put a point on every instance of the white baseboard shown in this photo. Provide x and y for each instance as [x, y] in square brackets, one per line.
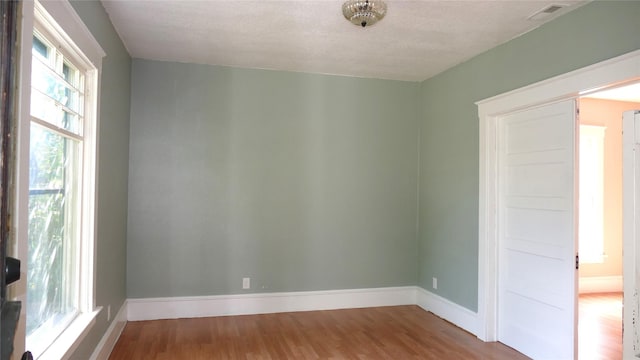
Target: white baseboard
[450, 311]
[600, 284]
[245, 304]
[108, 341]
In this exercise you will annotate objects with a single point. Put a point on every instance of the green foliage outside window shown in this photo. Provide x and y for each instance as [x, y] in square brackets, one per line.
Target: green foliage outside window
[45, 280]
[53, 162]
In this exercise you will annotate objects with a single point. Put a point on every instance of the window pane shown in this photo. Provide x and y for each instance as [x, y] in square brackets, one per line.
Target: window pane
[52, 97]
[39, 47]
[71, 74]
[53, 231]
[45, 80]
[591, 190]
[45, 108]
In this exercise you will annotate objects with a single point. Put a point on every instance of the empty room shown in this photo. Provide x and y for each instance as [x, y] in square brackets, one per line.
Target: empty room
[296, 179]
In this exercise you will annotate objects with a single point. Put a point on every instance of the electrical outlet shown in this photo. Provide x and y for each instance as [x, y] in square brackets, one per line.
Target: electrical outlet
[435, 283]
[246, 283]
[108, 312]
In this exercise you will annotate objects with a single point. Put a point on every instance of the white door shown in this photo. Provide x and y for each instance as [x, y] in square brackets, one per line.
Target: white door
[536, 226]
[631, 232]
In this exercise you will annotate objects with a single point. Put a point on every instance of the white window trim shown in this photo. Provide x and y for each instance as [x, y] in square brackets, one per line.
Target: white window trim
[63, 19]
[75, 32]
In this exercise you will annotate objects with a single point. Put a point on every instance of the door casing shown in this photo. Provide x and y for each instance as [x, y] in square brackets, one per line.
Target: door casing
[631, 228]
[615, 72]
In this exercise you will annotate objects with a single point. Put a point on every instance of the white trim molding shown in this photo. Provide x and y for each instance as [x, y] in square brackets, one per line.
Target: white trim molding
[246, 304]
[250, 304]
[111, 336]
[68, 22]
[450, 311]
[615, 72]
[600, 284]
[64, 346]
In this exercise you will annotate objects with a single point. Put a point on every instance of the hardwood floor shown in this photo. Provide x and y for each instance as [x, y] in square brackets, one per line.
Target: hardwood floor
[395, 332]
[600, 326]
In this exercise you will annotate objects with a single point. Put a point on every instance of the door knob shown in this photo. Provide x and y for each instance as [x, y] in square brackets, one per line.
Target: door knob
[11, 270]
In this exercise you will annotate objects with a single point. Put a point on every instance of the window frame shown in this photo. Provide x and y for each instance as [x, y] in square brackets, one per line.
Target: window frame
[75, 41]
[58, 60]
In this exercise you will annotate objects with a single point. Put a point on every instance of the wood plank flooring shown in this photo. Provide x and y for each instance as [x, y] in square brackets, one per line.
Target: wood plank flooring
[600, 326]
[395, 332]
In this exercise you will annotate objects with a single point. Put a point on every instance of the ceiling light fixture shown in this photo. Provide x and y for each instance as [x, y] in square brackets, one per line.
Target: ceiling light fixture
[364, 12]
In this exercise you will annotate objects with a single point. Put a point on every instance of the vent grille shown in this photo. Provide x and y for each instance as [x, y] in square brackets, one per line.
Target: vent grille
[546, 12]
[551, 9]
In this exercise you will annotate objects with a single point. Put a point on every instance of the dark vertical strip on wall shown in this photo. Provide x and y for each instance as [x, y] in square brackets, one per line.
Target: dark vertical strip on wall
[8, 66]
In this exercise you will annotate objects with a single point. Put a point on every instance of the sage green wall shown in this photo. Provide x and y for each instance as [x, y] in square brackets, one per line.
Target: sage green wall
[449, 146]
[113, 159]
[299, 181]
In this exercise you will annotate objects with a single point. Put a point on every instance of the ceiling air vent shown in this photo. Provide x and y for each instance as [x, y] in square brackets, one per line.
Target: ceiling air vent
[546, 12]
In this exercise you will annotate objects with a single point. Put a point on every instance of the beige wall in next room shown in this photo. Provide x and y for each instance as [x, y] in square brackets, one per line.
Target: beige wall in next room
[608, 113]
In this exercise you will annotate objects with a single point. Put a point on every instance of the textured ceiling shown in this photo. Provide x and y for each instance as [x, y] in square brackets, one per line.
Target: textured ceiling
[416, 39]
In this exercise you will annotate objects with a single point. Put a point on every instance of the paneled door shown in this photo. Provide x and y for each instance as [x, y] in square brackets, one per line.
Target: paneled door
[537, 222]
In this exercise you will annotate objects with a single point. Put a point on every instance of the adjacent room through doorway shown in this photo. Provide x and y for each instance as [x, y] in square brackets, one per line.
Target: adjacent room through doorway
[600, 235]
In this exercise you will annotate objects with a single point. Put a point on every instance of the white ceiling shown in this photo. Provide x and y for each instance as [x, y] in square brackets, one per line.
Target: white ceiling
[629, 93]
[415, 41]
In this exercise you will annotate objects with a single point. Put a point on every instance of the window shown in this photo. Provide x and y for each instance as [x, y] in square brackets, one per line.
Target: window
[591, 180]
[61, 199]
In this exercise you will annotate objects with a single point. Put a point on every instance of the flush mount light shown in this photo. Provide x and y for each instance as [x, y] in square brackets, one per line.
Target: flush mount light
[364, 12]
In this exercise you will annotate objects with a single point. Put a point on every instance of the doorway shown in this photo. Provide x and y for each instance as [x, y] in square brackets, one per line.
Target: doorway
[600, 234]
[615, 72]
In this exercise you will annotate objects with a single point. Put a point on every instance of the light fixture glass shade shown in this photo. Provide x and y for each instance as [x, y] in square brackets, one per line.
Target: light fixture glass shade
[364, 12]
